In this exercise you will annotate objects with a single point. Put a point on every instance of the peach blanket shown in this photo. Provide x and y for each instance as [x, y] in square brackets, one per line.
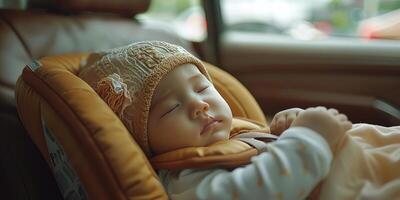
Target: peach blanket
[367, 166]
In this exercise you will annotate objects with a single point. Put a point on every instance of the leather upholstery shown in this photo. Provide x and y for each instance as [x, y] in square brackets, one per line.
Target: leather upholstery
[27, 35]
[121, 7]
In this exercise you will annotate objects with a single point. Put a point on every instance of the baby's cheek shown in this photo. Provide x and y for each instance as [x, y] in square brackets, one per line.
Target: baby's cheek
[175, 123]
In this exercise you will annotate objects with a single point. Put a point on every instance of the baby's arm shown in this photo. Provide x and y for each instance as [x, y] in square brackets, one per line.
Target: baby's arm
[290, 169]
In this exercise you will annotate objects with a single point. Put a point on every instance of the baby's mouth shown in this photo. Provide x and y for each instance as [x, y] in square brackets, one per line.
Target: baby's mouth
[210, 125]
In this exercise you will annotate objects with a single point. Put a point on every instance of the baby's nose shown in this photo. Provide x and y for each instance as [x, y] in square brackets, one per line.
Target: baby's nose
[199, 108]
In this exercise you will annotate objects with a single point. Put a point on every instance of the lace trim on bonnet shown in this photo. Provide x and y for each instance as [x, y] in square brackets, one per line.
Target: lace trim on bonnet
[114, 92]
[99, 72]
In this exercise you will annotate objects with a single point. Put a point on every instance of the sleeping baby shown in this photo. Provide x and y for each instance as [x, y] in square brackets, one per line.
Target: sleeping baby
[166, 99]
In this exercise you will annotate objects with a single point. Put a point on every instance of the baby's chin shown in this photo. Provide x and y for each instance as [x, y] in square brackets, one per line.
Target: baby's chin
[218, 136]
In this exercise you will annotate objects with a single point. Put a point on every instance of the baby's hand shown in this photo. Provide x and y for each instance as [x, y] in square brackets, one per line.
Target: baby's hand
[282, 120]
[330, 124]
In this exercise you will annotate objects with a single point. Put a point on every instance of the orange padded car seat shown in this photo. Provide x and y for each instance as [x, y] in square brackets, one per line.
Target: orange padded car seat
[89, 150]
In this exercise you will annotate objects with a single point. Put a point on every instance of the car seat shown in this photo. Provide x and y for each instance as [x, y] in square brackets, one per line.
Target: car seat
[88, 148]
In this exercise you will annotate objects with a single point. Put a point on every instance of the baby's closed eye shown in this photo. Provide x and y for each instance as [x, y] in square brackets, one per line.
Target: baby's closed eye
[170, 109]
[202, 88]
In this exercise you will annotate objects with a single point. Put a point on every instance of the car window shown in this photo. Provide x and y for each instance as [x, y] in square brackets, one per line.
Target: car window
[13, 4]
[314, 19]
[186, 17]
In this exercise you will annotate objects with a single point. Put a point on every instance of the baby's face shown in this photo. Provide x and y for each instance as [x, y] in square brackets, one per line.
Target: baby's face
[187, 111]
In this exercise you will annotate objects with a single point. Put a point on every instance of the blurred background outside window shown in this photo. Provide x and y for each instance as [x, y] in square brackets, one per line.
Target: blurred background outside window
[315, 19]
[299, 19]
[186, 17]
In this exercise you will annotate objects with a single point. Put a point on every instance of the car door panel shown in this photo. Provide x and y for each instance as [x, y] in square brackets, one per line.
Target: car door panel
[361, 78]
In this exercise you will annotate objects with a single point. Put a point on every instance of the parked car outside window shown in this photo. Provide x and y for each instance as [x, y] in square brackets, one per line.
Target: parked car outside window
[315, 19]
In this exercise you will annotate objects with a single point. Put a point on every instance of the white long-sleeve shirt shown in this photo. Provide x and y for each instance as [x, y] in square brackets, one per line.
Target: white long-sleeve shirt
[289, 169]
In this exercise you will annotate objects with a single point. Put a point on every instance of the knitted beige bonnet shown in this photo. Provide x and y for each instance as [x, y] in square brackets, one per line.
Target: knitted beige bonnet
[126, 77]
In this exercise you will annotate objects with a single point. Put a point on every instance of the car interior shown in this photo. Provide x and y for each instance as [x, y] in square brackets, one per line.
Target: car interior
[360, 79]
